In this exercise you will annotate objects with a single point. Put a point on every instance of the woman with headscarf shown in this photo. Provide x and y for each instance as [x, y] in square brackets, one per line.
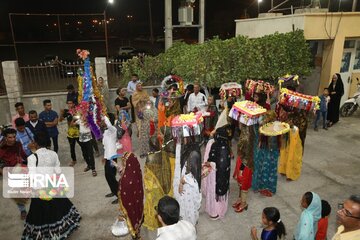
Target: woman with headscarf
[266, 154]
[131, 193]
[307, 225]
[147, 116]
[336, 90]
[138, 98]
[187, 179]
[125, 141]
[218, 181]
[158, 179]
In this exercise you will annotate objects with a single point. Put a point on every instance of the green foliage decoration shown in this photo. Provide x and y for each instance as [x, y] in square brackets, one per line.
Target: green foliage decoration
[219, 61]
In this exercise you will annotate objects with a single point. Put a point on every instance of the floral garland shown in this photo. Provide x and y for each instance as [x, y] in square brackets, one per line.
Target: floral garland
[297, 100]
[91, 106]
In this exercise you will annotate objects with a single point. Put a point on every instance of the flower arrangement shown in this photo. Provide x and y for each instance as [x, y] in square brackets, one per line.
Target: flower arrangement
[167, 82]
[230, 89]
[258, 86]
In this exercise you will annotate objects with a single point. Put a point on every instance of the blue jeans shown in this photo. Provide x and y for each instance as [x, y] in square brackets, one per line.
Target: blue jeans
[324, 116]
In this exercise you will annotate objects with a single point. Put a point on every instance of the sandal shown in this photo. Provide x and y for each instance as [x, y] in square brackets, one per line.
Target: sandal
[266, 193]
[86, 169]
[239, 209]
[237, 203]
[94, 173]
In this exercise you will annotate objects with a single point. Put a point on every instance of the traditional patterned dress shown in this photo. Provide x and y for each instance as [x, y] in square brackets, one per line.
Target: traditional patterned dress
[158, 178]
[144, 131]
[131, 194]
[188, 166]
[291, 156]
[218, 181]
[265, 164]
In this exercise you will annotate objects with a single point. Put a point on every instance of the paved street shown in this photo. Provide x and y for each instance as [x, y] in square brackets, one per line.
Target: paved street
[331, 167]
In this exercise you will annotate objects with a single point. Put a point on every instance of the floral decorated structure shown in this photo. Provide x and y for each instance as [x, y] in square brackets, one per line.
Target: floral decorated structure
[91, 106]
[247, 112]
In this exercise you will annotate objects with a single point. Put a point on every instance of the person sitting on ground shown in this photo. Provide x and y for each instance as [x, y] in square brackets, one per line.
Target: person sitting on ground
[274, 227]
[349, 219]
[324, 221]
[168, 210]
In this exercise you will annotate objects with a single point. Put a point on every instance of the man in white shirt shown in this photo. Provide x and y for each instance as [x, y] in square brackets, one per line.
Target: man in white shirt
[168, 215]
[197, 101]
[86, 146]
[110, 150]
[131, 88]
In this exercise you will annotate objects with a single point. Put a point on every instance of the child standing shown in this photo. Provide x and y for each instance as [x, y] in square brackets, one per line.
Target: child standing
[324, 221]
[274, 227]
[324, 100]
[125, 141]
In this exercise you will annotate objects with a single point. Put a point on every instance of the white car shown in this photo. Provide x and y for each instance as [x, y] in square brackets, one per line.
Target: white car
[126, 50]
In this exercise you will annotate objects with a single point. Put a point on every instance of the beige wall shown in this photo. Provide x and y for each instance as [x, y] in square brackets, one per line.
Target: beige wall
[333, 28]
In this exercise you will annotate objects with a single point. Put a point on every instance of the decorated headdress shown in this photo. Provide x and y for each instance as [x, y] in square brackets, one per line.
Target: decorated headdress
[91, 106]
[258, 86]
[230, 89]
[170, 83]
[288, 81]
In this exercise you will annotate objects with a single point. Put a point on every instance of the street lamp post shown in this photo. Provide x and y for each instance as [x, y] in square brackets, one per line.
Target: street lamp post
[259, 1]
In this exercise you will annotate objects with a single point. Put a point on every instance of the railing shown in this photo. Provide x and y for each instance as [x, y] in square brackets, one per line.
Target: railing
[113, 68]
[2, 82]
[52, 76]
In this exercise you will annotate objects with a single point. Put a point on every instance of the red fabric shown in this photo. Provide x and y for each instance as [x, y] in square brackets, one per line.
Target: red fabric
[322, 229]
[245, 178]
[152, 128]
[12, 155]
[131, 193]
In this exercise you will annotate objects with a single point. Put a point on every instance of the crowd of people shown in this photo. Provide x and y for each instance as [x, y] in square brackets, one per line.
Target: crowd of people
[179, 173]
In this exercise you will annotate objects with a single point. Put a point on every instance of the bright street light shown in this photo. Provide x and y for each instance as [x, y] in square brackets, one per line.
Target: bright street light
[259, 1]
[111, 1]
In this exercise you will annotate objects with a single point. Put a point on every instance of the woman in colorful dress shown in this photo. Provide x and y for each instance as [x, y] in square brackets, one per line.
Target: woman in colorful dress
[218, 181]
[125, 143]
[211, 119]
[53, 217]
[290, 162]
[266, 155]
[187, 179]
[144, 126]
[131, 193]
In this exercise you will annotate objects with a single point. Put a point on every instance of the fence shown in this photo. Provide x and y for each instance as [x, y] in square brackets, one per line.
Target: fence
[113, 68]
[52, 76]
[2, 82]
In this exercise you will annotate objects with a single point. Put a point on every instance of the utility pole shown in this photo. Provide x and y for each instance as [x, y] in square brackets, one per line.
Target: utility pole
[201, 21]
[354, 6]
[168, 24]
[151, 24]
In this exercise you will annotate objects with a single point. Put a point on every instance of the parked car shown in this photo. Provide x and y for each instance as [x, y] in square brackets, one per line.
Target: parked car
[126, 50]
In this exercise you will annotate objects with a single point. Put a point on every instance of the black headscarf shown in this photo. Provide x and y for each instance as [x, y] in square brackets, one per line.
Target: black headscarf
[220, 155]
[190, 154]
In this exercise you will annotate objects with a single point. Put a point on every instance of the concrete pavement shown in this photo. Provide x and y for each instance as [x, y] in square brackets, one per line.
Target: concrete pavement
[331, 167]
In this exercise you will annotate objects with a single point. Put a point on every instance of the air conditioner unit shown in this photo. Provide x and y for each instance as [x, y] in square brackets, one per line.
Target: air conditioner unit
[186, 15]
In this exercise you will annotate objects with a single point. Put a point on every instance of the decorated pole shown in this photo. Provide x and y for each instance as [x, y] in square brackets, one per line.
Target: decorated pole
[91, 106]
